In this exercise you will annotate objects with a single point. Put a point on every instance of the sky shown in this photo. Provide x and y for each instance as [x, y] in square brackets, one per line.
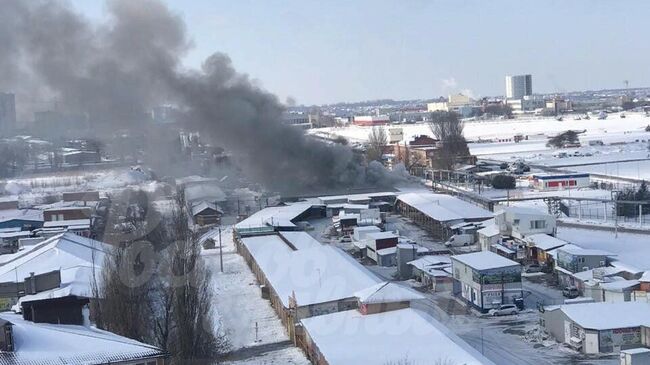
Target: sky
[319, 52]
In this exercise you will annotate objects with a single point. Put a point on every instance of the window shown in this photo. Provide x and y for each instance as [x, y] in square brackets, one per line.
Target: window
[538, 224]
[515, 222]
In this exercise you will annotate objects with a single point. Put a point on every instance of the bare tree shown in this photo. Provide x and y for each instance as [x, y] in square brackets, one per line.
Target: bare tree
[448, 129]
[377, 140]
[194, 335]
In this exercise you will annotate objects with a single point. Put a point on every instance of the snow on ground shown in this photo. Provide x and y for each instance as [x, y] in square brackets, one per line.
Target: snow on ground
[631, 248]
[31, 190]
[240, 307]
[607, 129]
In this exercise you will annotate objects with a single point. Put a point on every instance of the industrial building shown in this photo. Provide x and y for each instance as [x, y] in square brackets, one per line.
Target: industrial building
[486, 280]
[594, 328]
[549, 182]
[437, 213]
[385, 330]
[301, 277]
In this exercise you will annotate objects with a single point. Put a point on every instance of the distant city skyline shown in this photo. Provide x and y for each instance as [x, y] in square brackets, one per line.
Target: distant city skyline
[328, 52]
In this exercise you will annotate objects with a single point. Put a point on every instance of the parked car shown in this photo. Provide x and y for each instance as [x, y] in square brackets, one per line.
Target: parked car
[504, 310]
[533, 268]
[570, 292]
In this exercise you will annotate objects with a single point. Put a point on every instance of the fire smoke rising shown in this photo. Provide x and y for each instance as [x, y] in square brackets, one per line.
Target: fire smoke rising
[117, 70]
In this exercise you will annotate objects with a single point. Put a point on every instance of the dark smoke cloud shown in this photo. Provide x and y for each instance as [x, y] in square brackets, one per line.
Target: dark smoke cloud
[115, 72]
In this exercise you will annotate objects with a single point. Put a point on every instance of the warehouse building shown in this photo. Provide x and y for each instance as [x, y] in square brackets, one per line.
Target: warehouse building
[486, 280]
[437, 213]
[301, 277]
[594, 328]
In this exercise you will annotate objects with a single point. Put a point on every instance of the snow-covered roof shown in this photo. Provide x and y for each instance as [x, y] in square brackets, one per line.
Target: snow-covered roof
[386, 337]
[577, 250]
[645, 277]
[502, 248]
[484, 260]
[602, 271]
[605, 315]
[204, 191]
[490, 231]
[443, 207]
[524, 211]
[387, 251]
[50, 344]
[380, 235]
[22, 214]
[315, 273]
[74, 256]
[353, 197]
[72, 223]
[387, 292]
[619, 285]
[545, 242]
[431, 263]
[280, 216]
[204, 205]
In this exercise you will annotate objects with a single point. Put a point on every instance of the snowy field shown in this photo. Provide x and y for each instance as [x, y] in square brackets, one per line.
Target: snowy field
[485, 136]
[611, 129]
[33, 189]
[252, 327]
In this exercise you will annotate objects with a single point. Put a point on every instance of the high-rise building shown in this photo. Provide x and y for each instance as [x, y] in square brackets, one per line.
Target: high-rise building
[7, 112]
[519, 86]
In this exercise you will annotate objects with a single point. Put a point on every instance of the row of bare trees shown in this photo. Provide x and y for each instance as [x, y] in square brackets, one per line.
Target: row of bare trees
[446, 127]
[158, 291]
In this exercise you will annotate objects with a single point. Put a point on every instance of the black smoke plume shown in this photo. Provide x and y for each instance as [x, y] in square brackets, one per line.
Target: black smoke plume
[116, 71]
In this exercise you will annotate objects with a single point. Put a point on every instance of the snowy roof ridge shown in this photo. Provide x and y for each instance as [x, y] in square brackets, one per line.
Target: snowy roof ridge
[53, 344]
[387, 292]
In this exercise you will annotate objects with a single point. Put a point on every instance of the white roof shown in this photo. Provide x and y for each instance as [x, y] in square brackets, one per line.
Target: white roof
[203, 205]
[490, 231]
[619, 285]
[387, 292]
[204, 192]
[367, 229]
[524, 211]
[577, 250]
[75, 256]
[443, 207]
[315, 273]
[67, 223]
[41, 344]
[484, 260]
[432, 263]
[380, 235]
[545, 242]
[23, 214]
[387, 251]
[280, 216]
[645, 277]
[604, 315]
[354, 197]
[376, 339]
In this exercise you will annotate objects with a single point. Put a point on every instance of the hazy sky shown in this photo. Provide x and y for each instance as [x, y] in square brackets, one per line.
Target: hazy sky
[330, 51]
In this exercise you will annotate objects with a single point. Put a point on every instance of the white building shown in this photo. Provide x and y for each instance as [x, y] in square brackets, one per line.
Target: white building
[594, 328]
[520, 222]
[486, 280]
[518, 86]
[544, 182]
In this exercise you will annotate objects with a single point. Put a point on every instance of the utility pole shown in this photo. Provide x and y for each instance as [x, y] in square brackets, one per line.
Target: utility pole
[220, 251]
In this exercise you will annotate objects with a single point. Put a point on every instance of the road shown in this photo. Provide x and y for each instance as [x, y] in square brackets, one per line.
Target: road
[502, 339]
